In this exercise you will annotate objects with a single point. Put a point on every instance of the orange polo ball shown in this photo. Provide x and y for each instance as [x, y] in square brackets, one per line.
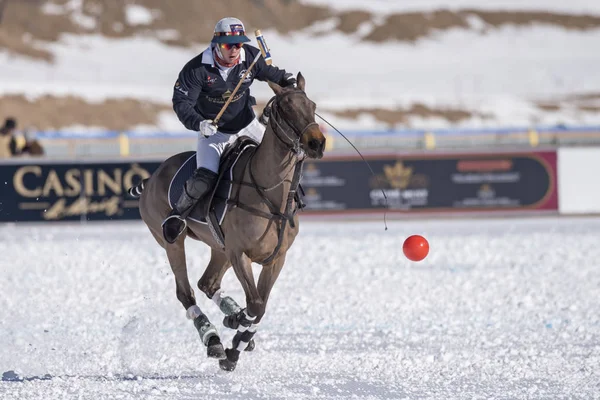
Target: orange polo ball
[415, 247]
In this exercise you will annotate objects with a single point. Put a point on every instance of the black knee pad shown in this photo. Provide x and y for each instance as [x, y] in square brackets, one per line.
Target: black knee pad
[200, 183]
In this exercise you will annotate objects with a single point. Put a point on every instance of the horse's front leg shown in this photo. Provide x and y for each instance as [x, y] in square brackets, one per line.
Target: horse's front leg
[247, 320]
[210, 284]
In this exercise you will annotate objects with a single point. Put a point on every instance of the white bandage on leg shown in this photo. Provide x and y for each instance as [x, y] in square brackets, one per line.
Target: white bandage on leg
[251, 328]
[193, 312]
[249, 318]
[242, 346]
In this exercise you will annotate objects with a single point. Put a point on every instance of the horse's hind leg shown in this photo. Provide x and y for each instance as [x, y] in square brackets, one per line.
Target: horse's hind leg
[207, 331]
[210, 284]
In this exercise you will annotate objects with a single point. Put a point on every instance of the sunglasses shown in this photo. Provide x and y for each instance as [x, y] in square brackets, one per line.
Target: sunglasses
[229, 46]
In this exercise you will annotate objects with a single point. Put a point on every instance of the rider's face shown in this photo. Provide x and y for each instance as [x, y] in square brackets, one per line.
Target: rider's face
[230, 52]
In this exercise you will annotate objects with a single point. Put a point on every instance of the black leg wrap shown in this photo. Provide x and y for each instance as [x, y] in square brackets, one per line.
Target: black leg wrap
[233, 354]
[244, 337]
[231, 322]
[234, 321]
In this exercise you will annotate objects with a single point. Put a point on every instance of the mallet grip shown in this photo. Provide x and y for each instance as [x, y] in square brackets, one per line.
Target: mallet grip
[262, 45]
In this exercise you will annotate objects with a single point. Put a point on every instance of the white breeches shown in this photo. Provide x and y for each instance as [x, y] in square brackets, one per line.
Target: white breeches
[211, 148]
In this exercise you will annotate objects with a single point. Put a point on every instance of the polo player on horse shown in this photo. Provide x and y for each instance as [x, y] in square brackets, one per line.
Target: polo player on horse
[204, 85]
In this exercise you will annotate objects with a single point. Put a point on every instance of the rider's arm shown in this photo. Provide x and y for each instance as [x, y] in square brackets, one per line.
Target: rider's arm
[185, 94]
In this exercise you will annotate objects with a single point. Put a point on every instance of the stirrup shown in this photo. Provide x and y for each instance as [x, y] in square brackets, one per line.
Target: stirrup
[173, 229]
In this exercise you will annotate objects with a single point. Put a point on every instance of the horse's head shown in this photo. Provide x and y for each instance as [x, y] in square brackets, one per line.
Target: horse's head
[293, 119]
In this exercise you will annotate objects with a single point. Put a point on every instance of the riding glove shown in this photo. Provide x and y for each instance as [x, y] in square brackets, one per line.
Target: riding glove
[288, 80]
[207, 128]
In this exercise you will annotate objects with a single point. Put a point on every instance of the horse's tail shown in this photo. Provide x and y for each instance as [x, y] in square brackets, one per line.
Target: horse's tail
[136, 191]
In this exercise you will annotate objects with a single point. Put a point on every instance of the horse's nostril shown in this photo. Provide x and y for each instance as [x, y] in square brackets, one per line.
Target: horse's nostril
[314, 144]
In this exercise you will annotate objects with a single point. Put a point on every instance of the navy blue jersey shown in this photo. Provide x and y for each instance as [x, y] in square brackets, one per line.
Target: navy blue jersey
[200, 91]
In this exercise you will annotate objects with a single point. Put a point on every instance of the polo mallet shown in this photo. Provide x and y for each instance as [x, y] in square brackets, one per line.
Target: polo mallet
[264, 51]
[262, 45]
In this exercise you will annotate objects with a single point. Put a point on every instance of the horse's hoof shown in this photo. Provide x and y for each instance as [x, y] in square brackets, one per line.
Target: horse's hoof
[227, 365]
[230, 362]
[251, 345]
[214, 349]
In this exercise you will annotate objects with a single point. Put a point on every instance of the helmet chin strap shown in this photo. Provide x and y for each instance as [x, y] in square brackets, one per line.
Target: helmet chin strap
[217, 49]
[221, 60]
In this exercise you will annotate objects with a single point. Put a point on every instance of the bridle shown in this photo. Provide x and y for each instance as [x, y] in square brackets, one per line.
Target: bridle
[292, 143]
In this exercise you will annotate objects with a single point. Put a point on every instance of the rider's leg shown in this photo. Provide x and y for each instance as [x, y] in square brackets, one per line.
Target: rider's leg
[198, 185]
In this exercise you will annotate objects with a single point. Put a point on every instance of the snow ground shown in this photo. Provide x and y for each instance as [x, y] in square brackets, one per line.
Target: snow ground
[501, 309]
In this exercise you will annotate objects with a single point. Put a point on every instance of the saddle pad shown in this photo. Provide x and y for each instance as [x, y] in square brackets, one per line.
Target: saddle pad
[222, 194]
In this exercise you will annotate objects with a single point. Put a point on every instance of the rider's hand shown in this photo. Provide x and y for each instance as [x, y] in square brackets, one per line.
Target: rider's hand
[288, 80]
[207, 128]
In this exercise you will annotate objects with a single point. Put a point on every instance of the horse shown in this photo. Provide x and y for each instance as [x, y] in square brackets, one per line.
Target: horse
[260, 224]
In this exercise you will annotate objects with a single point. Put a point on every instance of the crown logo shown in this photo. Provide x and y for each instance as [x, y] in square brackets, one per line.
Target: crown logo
[486, 191]
[398, 175]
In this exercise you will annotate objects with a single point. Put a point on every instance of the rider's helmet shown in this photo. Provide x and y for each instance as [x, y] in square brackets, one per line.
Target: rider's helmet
[229, 30]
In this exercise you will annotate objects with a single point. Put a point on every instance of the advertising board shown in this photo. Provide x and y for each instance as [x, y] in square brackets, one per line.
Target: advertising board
[53, 191]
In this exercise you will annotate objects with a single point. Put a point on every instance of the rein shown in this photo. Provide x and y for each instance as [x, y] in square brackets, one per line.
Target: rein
[293, 146]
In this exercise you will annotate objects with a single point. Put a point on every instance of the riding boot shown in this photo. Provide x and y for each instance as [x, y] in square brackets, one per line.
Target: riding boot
[196, 187]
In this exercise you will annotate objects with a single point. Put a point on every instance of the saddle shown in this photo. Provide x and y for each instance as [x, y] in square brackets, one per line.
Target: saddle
[216, 203]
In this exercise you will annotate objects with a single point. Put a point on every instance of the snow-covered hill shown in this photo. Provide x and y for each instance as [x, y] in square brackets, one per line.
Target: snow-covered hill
[394, 6]
[496, 74]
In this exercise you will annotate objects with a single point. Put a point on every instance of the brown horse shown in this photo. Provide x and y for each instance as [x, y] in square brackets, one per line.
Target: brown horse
[259, 227]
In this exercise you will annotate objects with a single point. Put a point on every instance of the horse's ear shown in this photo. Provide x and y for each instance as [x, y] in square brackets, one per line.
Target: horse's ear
[275, 87]
[300, 81]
